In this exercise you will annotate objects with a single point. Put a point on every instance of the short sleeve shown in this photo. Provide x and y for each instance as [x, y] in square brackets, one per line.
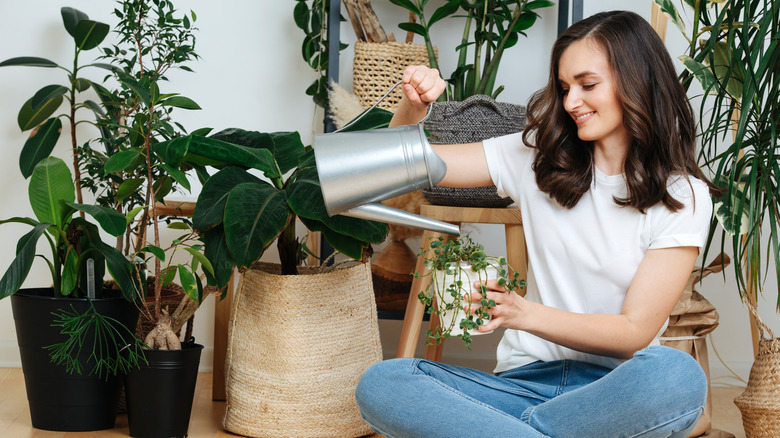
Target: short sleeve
[688, 226]
[507, 159]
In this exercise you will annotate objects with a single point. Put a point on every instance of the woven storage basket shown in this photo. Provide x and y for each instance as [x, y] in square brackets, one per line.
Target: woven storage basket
[297, 346]
[474, 119]
[760, 403]
[376, 67]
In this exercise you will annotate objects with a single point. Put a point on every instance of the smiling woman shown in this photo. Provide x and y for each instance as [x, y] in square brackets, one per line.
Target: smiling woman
[606, 167]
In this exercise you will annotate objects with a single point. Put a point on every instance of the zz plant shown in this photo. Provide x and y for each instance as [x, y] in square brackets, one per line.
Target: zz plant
[453, 265]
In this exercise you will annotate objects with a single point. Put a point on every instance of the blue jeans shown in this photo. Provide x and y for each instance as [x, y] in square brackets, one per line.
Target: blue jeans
[660, 392]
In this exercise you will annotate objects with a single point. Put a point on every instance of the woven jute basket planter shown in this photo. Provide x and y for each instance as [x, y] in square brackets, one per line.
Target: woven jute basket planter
[376, 67]
[297, 346]
[760, 403]
[474, 119]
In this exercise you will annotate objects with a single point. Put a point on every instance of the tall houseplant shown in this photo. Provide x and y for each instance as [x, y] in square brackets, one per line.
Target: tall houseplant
[734, 54]
[490, 27]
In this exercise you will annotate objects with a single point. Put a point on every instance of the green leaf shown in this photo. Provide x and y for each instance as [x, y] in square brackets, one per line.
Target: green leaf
[702, 73]
[128, 187]
[137, 88]
[29, 117]
[46, 94]
[161, 187]
[181, 102]
[39, 146]
[178, 226]
[25, 254]
[210, 207]
[285, 147]
[408, 5]
[110, 220]
[667, 7]
[71, 18]
[188, 283]
[255, 215]
[89, 34]
[179, 176]
[200, 257]
[70, 272]
[444, 11]
[121, 160]
[173, 151]
[155, 250]
[414, 28]
[130, 216]
[347, 245]
[217, 252]
[29, 61]
[51, 182]
[168, 275]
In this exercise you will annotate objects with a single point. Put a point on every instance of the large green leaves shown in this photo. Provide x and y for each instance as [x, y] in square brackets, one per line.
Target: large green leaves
[285, 147]
[89, 34]
[71, 18]
[25, 253]
[255, 215]
[29, 61]
[51, 183]
[210, 208]
[218, 152]
[110, 220]
[29, 117]
[39, 145]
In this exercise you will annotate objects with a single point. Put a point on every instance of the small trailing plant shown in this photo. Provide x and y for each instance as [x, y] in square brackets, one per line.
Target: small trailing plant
[449, 263]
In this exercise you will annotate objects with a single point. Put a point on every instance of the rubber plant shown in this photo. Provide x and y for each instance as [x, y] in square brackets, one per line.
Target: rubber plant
[490, 27]
[453, 265]
[734, 54]
[241, 214]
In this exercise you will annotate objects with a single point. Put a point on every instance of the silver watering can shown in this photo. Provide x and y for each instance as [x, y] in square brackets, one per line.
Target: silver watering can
[359, 169]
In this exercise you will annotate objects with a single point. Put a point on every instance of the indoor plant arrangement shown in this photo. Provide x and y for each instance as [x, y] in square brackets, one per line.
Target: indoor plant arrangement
[453, 267]
[76, 304]
[735, 56]
[126, 178]
[497, 25]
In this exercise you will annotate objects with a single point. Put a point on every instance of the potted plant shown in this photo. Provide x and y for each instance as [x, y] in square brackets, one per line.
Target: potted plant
[453, 267]
[77, 309]
[240, 214]
[120, 168]
[735, 57]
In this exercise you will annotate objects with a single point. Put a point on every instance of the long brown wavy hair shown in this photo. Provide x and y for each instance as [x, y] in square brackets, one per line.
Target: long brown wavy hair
[656, 114]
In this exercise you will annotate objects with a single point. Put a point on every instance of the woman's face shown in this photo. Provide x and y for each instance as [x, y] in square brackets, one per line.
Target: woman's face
[590, 94]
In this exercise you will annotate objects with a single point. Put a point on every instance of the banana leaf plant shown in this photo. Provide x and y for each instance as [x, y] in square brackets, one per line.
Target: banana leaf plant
[240, 214]
[734, 54]
[490, 27]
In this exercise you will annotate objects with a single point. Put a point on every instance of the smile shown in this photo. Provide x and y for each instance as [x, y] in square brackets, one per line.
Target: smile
[582, 117]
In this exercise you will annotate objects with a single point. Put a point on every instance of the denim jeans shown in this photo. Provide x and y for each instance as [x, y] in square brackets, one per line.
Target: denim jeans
[660, 392]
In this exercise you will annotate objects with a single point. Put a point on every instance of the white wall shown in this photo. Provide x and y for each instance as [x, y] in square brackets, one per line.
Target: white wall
[251, 75]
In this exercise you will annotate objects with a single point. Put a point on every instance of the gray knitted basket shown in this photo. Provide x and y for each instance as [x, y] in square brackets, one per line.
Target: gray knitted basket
[474, 119]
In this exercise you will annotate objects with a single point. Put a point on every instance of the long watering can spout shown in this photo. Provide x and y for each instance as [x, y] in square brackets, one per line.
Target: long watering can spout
[383, 213]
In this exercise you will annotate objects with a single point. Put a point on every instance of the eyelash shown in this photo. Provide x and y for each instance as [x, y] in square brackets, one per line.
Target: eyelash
[587, 87]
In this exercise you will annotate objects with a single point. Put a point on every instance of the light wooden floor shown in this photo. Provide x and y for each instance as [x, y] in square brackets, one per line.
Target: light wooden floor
[207, 415]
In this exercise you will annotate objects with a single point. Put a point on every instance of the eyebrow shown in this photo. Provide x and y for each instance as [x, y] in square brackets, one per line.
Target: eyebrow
[580, 75]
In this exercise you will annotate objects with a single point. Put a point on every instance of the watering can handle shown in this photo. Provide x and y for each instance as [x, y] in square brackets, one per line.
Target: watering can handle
[356, 119]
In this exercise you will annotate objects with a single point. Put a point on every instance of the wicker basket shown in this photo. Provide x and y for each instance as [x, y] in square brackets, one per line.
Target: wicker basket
[474, 119]
[297, 346]
[378, 66]
[760, 403]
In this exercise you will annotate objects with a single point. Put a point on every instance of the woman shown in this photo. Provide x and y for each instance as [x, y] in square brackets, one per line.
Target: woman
[615, 210]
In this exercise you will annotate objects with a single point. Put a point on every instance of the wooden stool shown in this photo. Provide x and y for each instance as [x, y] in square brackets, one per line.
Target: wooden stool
[516, 257]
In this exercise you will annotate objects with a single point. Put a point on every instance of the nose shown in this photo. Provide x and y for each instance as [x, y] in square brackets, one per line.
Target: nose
[572, 100]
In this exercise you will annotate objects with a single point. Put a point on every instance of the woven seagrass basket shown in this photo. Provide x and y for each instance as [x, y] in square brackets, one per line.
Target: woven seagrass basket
[297, 346]
[376, 67]
[760, 403]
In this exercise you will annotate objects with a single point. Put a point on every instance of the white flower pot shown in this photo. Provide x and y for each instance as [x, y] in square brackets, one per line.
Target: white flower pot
[446, 283]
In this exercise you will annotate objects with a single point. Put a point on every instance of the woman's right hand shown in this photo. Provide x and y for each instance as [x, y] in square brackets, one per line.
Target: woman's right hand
[422, 85]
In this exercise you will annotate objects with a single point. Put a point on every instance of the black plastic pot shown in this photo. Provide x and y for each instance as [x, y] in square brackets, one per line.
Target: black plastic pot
[59, 400]
[159, 394]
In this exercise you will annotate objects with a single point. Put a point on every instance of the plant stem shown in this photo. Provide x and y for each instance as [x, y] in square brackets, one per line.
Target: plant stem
[73, 141]
[286, 245]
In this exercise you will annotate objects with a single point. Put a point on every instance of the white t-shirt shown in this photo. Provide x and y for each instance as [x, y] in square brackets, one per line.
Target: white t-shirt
[583, 259]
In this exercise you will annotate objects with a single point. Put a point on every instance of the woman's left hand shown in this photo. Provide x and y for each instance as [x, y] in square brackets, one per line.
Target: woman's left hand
[508, 311]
